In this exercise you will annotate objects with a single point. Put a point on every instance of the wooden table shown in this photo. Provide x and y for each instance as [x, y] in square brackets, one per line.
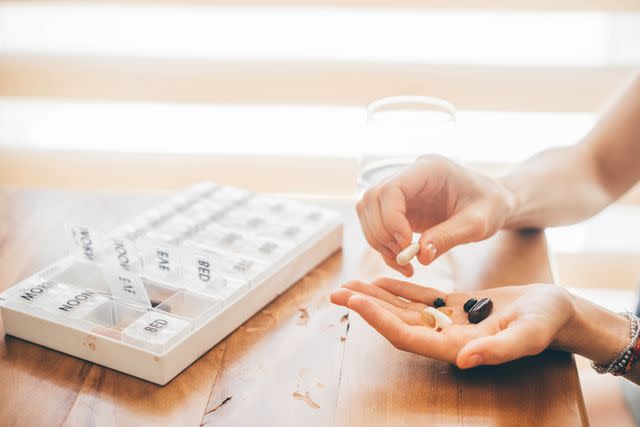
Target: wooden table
[281, 367]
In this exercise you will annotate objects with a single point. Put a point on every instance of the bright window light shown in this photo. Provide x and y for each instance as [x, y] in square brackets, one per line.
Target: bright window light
[284, 130]
[321, 34]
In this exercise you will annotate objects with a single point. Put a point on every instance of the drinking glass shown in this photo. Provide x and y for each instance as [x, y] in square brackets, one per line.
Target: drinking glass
[398, 130]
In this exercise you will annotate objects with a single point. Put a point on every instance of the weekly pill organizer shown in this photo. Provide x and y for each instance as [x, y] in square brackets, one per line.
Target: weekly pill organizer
[152, 296]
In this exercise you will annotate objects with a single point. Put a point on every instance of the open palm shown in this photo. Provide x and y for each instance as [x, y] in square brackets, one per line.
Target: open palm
[525, 319]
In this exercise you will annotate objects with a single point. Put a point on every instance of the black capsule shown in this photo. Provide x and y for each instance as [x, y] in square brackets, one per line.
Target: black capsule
[480, 310]
[469, 304]
[439, 302]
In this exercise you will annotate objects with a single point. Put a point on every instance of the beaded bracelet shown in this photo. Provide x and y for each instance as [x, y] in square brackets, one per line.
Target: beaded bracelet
[634, 357]
[627, 358]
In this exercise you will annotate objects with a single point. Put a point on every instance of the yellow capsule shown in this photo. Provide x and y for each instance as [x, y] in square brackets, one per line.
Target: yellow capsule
[442, 320]
[446, 310]
[428, 319]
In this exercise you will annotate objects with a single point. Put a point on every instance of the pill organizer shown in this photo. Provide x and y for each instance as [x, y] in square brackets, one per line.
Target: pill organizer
[152, 296]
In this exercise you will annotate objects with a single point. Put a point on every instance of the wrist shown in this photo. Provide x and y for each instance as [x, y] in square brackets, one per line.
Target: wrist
[510, 201]
[593, 332]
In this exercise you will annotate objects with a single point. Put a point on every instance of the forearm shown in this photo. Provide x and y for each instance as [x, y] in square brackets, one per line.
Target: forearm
[566, 185]
[555, 187]
[597, 334]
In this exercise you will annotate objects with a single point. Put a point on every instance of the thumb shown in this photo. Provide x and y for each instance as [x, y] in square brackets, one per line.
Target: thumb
[463, 227]
[520, 338]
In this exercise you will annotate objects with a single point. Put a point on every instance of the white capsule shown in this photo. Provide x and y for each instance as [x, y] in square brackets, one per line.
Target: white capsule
[407, 254]
[442, 319]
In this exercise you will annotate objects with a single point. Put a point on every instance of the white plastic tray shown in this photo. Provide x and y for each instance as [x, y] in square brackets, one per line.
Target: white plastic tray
[213, 319]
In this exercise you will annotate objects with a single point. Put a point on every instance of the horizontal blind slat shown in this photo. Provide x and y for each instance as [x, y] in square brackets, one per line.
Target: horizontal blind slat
[472, 87]
[521, 5]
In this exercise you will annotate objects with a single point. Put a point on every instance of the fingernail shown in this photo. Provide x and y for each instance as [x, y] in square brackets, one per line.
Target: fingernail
[399, 238]
[474, 360]
[432, 250]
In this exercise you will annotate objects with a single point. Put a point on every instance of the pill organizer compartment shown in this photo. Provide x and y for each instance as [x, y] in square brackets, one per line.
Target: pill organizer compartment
[227, 265]
[72, 305]
[161, 260]
[157, 292]
[156, 331]
[267, 205]
[33, 295]
[77, 273]
[275, 209]
[111, 318]
[228, 195]
[180, 225]
[243, 221]
[193, 307]
[242, 244]
[292, 233]
[205, 212]
[225, 289]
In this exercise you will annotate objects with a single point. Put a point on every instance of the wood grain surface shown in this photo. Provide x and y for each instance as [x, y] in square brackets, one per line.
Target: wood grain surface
[298, 362]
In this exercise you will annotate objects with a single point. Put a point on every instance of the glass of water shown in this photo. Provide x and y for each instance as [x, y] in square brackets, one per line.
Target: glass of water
[399, 129]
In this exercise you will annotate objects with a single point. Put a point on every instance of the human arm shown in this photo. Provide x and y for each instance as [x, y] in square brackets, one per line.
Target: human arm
[566, 185]
[449, 204]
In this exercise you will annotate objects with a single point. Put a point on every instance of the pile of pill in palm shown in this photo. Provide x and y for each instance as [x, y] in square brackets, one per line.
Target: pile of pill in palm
[438, 316]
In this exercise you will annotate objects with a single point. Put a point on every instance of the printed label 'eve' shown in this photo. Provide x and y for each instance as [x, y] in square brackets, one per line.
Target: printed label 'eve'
[163, 260]
[127, 286]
